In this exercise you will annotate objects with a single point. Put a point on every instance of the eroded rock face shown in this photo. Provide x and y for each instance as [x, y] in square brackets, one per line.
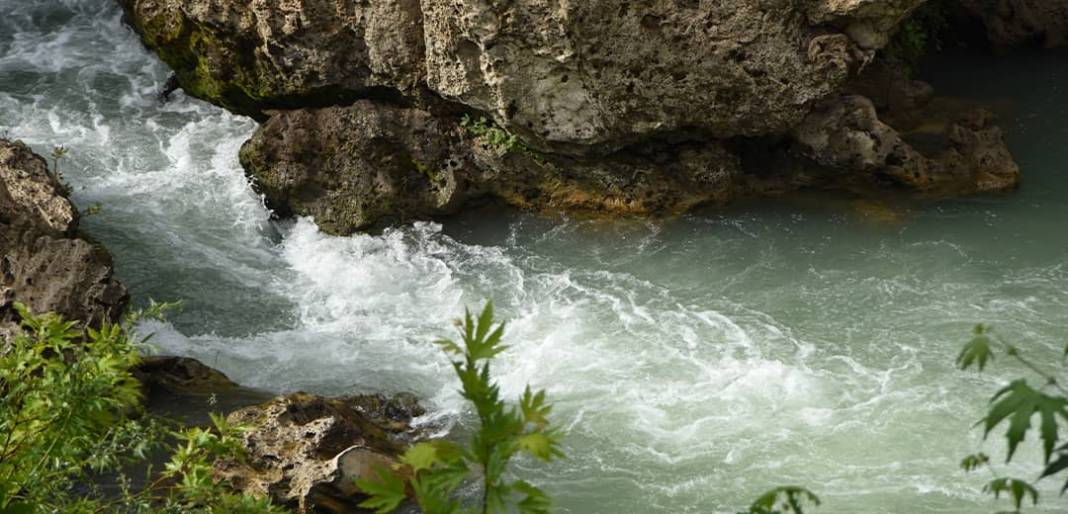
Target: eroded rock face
[43, 262]
[624, 108]
[925, 144]
[307, 451]
[566, 76]
[369, 165]
[262, 54]
[356, 167]
[1018, 22]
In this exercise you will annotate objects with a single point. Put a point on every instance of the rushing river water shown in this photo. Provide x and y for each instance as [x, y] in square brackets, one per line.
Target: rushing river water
[694, 362]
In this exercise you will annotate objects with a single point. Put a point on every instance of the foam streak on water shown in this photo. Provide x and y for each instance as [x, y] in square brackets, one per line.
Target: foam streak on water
[695, 362]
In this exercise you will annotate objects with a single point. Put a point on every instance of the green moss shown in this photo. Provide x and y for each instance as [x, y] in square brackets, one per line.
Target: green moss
[225, 71]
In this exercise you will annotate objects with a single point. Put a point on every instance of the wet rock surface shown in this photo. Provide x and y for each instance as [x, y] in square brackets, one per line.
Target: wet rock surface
[44, 262]
[595, 107]
[307, 451]
[1011, 23]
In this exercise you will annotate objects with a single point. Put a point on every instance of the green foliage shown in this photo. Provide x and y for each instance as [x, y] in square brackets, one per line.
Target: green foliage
[1017, 405]
[783, 500]
[58, 153]
[491, 134]
[918, 35]
[433, 471]
[65, 417]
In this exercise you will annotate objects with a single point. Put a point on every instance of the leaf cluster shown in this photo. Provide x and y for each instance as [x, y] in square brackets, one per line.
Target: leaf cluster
[783, 500]
[432, 472]
[1016, 406]
[70, 410]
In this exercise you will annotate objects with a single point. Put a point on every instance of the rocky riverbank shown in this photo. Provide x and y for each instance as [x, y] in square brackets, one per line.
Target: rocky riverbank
[380, 114]
[45, 262]
[303, 450]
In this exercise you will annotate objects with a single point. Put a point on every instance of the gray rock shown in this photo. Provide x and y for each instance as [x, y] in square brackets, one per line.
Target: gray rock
[263, 54]
[43, 262]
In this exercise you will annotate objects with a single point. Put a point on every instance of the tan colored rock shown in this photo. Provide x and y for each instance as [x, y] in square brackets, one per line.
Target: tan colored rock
[307, 451]
[254, 55]
[369, 165]
[43, 262]
[567, 76]
[357, 167]
[942, 150]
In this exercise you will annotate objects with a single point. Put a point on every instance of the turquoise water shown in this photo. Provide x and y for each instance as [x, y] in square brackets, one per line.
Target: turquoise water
[695, 362]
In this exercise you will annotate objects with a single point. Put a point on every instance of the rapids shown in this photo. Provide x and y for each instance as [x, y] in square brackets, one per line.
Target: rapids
[694, 362]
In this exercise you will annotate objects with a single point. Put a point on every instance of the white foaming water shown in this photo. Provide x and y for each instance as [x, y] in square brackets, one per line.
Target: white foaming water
[694, 362]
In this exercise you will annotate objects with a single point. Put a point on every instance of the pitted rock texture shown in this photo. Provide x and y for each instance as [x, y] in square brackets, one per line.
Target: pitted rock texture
[613, 107]
[307, 451]
[356, 167]
[254, 55]
[370, 165]
[564, 76]
[946, 149]
[1019, 22]
[43, 262]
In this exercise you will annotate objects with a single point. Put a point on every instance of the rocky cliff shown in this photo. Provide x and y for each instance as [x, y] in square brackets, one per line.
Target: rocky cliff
[44, 262]
[386, 111]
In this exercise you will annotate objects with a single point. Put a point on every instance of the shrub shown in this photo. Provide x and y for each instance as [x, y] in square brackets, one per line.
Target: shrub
[435, 470]
[65, 417]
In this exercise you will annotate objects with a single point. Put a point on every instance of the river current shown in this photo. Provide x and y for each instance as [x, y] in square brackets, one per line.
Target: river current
[694, 362]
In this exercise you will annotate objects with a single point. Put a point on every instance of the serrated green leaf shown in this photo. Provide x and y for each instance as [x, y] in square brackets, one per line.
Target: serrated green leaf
[535, 501]
[1019, 402]
[973, 462]
[386, 493]
[978, 351]
[1019, 490]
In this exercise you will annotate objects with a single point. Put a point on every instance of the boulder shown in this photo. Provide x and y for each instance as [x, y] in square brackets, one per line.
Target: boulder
[307, 451]
[577, 77]
[357, 167]
[942, 148]
[1018, 22]
[370, 165]
[44, 263]
[260, 54]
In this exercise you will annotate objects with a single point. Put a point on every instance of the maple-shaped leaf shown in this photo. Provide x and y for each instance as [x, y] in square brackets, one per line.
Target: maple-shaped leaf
[386, 492]
[1018, 489]
[977, 351]
[1019, 402]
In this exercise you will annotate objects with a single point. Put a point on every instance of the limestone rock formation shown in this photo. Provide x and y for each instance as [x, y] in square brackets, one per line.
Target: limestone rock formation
[43, 262]
[368, 165]
[307, 451]
[262, 54]
[963, 152]
[357, 166]
[1019, 22]
[614, 107]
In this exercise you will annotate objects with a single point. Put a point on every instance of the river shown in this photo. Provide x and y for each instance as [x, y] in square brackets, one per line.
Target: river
[694, 362]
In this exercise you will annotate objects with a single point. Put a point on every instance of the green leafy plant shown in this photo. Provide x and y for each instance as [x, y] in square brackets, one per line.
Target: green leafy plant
[918, 35]
[783, 500]
[70, 410]
[432, 472]
[1017, 405]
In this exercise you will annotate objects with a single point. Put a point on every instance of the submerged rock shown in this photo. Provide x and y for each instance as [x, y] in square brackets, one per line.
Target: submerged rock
[953, 151]
[1018, 22]
[44, 263]
[307, 451]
